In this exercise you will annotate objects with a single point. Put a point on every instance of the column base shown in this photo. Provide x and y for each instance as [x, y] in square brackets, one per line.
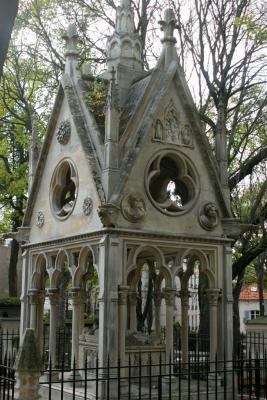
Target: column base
[54, 376]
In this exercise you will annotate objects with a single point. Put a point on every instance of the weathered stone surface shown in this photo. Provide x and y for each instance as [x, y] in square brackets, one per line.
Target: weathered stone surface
[28, 358]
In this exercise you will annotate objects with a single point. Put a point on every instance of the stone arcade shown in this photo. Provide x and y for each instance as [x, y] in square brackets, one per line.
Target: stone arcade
[132, 194]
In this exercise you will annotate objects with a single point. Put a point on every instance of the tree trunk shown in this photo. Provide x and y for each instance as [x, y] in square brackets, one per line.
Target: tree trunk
[259, 273]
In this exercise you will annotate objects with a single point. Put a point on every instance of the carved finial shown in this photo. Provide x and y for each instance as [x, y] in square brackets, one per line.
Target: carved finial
[72, 38]
[125, 18]
[168, 25]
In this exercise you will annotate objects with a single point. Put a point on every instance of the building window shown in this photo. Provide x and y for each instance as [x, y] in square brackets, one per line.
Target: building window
[254, 314]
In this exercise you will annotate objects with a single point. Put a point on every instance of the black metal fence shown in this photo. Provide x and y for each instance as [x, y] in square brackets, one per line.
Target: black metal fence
[221, 379]
[244, 377]
[7, 378]
[9, 344]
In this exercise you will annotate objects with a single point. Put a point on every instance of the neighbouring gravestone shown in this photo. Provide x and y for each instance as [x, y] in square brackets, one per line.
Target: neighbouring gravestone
[28, 365]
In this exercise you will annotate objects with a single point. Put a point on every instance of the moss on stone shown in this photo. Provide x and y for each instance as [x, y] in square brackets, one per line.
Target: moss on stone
[29, 358]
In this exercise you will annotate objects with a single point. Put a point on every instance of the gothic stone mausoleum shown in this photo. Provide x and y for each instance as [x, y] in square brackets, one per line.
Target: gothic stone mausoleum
[126, 201]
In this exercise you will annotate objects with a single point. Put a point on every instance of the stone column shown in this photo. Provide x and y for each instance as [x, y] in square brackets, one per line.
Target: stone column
[213, 296]
[169, 295]
[34, 301]
[157, 296]
[82, 307]
[133, 301]
[184, 295]
[24, 313]
[75, 293]
[40, 320]
[53, 295]
[123, 295]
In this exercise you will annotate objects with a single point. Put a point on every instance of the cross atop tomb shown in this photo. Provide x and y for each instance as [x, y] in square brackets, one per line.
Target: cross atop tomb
[168, 24]
[71, 37]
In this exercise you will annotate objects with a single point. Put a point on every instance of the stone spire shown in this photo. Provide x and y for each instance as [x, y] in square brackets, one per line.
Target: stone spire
[71, 49]
[125, 18]
[124, 47]
[112, 120]
[168, 24]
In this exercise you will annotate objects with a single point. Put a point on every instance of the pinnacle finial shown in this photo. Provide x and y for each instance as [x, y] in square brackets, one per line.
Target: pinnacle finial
[71, 37]
[125, 18]
[168, 24]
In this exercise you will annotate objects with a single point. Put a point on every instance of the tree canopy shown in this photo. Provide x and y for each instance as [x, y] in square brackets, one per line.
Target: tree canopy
[222, 48]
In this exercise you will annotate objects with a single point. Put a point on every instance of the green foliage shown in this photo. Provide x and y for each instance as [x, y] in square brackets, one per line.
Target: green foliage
[257, 32]
[96, 100]
[9, 301]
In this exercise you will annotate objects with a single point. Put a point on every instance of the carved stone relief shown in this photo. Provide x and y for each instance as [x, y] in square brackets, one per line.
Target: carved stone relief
[172, 132]
[108, 214]
[186, 135]
[169, 130]
[40, 219]
[133, 207]
[63, 132]
[87, 206]
[208, 216]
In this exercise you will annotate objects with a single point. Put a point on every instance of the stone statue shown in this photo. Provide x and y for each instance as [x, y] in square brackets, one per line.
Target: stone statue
[134, 207]
[172, 128]
[208, 216]
[158, 133]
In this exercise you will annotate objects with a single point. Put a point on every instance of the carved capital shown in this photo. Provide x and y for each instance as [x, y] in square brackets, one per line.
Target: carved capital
[132, 295]
[53, 295]
[36, 296]
[157, 296]
[169, 295]
[213, 296]
[76, 296]
[123, 295]
[184, 296]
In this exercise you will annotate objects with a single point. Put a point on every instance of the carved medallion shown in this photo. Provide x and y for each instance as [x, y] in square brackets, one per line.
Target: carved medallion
[63, 132]
[133, 207]
[40, 219]
[87, 206]
[208, 216]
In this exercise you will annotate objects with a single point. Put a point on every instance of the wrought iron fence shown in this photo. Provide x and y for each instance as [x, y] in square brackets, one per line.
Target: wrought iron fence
[7, 378]
[245, 377]
[9, 344]
[239, 379]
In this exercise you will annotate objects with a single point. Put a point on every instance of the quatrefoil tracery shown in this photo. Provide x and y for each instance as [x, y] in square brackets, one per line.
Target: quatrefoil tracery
[171, 183]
